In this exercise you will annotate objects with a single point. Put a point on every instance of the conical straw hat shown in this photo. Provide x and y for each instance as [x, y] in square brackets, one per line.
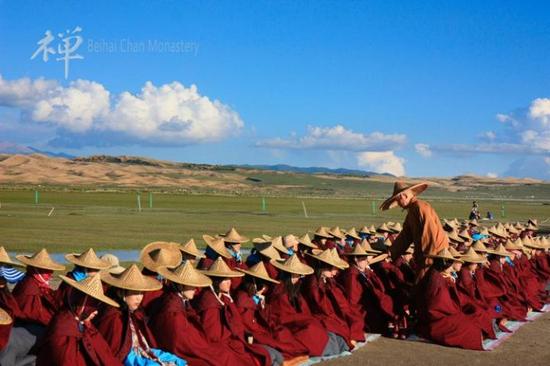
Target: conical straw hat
[472, 257]
[327, 257]
[533, 222]
[40, 259]
[5, 318]
[455, 253]
[336, 256]
[232, 236]
[498, 232]
[87, 259]
[292, 265]
[217, 245]
[306, 240]
[220, 269]
[191, 248]
[185, 274]
[365, 230]
[544, 242]
[367, 247]
[378, 258]
[397, 228]
[132, 279]
[258, 270]
[323, 232]
[265, 248]
[531, 227]
[114, 263]
[450, 224]
[444, 254]
[160, 254]
[473, 222]
[453, 235]
[484, 231]
[529, 243]
[5, 258]
[91, 286]
[384, 228]
[400, 187]
[513, 245]
[464, 234]
[358, 250]
[289, 241]
[353, 233]
[277, 243]
[500, 250]
[479, 247]
[337, 233]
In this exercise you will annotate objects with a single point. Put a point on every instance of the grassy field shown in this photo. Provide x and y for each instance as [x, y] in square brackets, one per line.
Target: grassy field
[111, 220]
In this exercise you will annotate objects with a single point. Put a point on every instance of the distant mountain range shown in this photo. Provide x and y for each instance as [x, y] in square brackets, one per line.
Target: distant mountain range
[312, 170]
[11, 148]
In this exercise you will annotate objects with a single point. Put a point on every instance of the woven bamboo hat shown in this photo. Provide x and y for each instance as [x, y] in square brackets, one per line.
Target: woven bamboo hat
[114, 263]
[497, 231]
[217, 245]
[277, 243]
[40, 259]
[378, 258]
[484, 231]
[400, 187]
[353, 233]
[367, 247]
[232, 236]
[87, 259]
[397, 228]
[290, 240]
[258, 270]
[160, 254]
[306, 240]
[91, 286]
[326, 256]
[533, 222]
[472, 257]
[5, 258]
[322, 231]
[292, 265]
[359, 251]
[5, 318]
[191, 248]
[265, 248]
[513, 245]
[479, 247]
[465, 235]
[453, 235]
[337, 233]
[473, 222]
[500, 251]
[365, 230]
[220, 269]
[444, 254]
[185, 274]
[337, 258]
[531, 227]
[455, 253]
[132, 279]
[384, 228]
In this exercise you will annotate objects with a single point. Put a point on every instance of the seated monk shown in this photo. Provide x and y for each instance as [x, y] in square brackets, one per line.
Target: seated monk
[250, 300]
[222, 322]
[178, 329]
[441, 318]
[125, 327]
[71, 339]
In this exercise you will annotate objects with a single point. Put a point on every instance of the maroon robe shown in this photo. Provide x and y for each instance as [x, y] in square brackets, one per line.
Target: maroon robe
[64, 344]
[178, 330]
[114, 324]
[222, 323]
[441, 318]
[298, 318]
[256, 323]
[10, 305]
[37, 304]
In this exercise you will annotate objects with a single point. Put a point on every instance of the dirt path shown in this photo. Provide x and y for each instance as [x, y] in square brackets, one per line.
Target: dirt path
[529, 346]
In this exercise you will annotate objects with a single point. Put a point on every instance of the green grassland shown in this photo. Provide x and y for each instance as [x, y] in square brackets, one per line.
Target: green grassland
[111, 220]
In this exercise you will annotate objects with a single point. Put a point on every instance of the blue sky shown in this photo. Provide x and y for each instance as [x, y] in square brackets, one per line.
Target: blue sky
[425, 88]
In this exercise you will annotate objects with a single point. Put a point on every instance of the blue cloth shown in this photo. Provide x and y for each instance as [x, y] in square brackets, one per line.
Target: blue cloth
[79, 274]
[253, 258]
[364, 236]
[234, 254]
[211, 253]
[478, 236]
[134, 359]
[290, 251]
[509, 261]
[257, 299]
[11, 274]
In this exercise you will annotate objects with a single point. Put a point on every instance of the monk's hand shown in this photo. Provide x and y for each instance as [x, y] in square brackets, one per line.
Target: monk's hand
[353, 343]
[3, 282]
[88, 321]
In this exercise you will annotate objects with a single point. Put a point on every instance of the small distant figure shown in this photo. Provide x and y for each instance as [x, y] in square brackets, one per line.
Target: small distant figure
[474, 212]
[490, 215]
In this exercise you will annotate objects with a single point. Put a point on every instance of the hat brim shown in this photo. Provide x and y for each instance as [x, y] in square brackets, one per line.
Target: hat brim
[151, 284]
[391, 202]
[79, 287]
[254, 274]
[30, 262]
[230, 274]
[72, 258]
[303, 269]
[150, 264]
[209, 240]
[327, 261]
[378, 258]
[5, 317]
[201, 280]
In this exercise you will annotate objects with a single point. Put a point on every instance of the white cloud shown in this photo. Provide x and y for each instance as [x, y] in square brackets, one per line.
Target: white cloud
[337, 138]
[492, 175]
[382, 162]
[489, 135]
[167, 114]
[423, 150]
[540, 110]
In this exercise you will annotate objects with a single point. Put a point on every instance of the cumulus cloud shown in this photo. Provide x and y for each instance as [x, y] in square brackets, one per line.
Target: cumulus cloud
[423, 150]
[170, 114]
[492, 175]
[382, 162]
[337, 138]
